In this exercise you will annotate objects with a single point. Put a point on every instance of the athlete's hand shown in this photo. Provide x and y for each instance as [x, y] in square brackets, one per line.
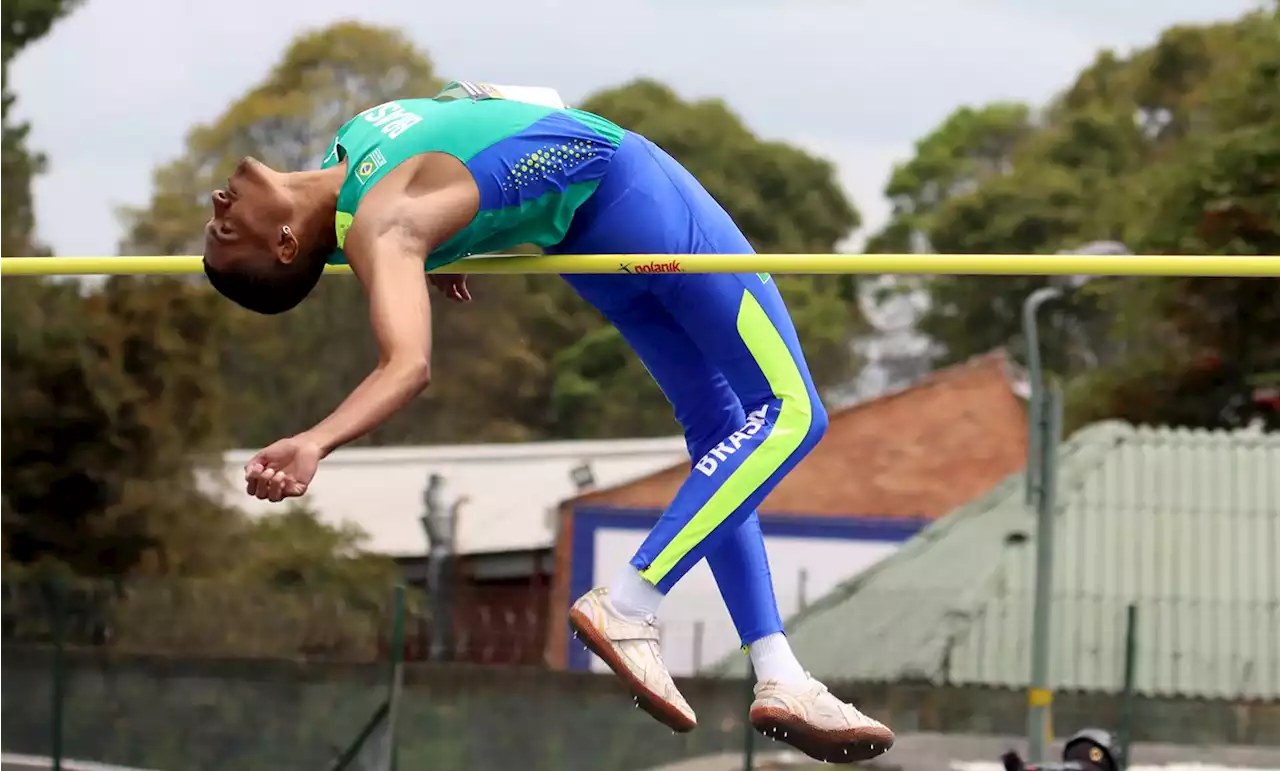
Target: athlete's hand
[283, 470]
[453, 286]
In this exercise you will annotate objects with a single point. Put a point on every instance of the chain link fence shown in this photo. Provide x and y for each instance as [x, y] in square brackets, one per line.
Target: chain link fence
[196, 677]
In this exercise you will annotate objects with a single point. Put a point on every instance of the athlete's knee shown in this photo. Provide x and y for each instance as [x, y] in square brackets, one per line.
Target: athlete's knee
[801, 414]
[816, 420]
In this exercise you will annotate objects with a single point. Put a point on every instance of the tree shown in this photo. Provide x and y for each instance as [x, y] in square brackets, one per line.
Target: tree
[1166, 149]
[95, 421]
[970, 146]
[24, 22]
[106, 398]
[974, 187]
[112, 395]
[1202, 348]
[293, 585]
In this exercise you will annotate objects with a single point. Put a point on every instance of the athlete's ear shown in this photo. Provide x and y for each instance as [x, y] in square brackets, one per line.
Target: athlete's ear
[286, 245]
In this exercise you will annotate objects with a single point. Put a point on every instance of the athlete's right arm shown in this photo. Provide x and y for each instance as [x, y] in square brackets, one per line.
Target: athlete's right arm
[386, 248]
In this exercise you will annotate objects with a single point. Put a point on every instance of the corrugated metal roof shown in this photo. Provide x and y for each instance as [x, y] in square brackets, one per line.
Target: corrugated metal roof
[511, 491]
[1186, 524]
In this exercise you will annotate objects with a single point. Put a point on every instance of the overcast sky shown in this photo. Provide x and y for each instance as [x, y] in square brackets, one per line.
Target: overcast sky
[114, 89]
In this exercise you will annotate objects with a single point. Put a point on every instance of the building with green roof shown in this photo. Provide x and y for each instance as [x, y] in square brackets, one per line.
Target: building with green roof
[1184, 524]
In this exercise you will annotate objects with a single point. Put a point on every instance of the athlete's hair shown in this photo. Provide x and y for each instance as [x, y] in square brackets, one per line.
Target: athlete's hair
[268, 291]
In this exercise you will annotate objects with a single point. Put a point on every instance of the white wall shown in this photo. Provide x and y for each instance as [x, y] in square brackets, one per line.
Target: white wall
[512, 491]
[828, 562]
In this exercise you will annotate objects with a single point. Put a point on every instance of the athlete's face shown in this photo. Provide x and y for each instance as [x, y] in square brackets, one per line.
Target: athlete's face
[250, 219]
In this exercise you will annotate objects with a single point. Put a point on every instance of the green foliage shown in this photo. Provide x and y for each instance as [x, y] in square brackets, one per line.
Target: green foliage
[970, 146]
[287, 586]
[23, 22]
[106, 396]
[112, 392]
[1174, 149]
[233, 616]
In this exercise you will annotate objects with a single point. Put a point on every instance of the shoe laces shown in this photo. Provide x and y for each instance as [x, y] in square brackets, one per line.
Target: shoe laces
[821, 689]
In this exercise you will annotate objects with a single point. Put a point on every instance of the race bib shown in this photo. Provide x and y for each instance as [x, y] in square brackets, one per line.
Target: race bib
[539, 95]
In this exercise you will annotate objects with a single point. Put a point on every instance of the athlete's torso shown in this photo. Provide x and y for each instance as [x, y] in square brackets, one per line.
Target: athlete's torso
[534, 165]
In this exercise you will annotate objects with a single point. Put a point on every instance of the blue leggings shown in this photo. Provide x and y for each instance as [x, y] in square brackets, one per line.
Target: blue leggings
[724, 352]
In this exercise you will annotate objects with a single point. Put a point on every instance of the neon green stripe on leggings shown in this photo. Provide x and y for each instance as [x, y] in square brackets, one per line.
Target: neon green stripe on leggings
[789, 430]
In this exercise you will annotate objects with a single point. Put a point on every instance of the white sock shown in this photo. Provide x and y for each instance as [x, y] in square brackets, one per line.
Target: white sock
[633, 595]
[773, 660]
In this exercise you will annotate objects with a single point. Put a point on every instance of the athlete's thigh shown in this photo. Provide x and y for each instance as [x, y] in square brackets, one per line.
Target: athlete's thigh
[741, 325]
[704, 403]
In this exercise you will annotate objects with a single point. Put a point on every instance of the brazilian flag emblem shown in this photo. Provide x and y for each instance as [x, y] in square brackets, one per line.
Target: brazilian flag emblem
[371, 163]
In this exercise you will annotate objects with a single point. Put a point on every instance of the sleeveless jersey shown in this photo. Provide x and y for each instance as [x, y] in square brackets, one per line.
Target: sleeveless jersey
[534, 165]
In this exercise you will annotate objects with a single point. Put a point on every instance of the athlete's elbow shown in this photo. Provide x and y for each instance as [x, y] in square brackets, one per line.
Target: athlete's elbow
[413, 371]
[421, 374]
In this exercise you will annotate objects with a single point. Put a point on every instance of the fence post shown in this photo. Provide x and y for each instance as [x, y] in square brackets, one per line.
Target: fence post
[397, 672]
[1130, 683]
[749, 733]
[58, 705]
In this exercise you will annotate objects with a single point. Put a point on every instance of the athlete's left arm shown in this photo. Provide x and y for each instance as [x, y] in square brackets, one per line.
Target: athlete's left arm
[386, 251]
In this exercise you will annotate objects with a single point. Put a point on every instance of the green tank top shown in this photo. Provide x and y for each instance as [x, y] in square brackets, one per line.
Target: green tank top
[534, 165]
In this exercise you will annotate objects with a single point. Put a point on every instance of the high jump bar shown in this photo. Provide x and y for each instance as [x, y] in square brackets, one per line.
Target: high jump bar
[1266, 266]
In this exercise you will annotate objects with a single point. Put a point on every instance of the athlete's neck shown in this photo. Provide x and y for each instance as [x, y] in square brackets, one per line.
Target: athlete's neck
[315, 196]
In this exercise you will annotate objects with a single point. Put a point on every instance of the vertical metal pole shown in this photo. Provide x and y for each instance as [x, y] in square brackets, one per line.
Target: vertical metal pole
[1040, 695]
[748, 732]
[397, 672]
[1035, 370]
[1035, 439]
[1130, 678]
[1045, 426]
[1033, 450]
[59, 668]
